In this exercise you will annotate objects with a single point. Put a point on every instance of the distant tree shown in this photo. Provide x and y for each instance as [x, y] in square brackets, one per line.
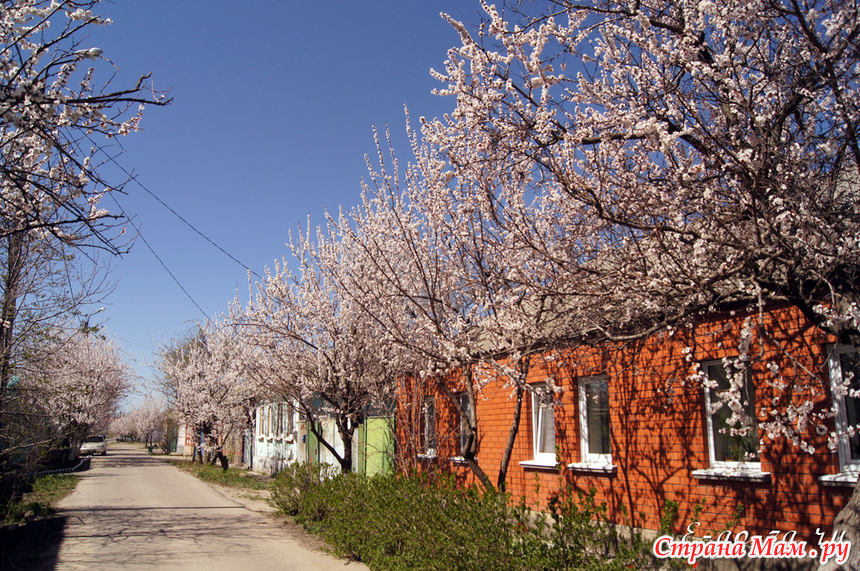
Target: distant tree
[316, 348]
[77, 385]
[149, 417]
[205, 382]
[123, 426]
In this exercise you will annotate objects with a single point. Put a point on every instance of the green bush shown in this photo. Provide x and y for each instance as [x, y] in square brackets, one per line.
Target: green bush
[423, 521]
[296, 484]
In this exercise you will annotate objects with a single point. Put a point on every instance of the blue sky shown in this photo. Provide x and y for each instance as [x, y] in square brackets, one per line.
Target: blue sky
[274, 105]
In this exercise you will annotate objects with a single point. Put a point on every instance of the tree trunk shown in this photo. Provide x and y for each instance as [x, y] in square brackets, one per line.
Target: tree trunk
[222, 458]
[9, 310]
[524, 366]
[848, 521]
[345, 461]
[471, 448]
[512, 437]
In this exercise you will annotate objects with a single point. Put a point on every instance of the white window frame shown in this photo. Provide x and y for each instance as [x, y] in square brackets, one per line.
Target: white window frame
[465, 404]
[264, 421]
[278, 413]
[290, 419]
[727, 469]
[847, 465]
[271, 418]
[710, 421]
[540, 394]
[588, 457]
[429, 435]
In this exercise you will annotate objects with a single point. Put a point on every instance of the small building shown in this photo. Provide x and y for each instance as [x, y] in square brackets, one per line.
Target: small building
[641, 423]
[282, 436]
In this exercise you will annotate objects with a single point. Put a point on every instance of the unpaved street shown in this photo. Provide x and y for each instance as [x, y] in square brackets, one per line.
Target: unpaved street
[134, 511]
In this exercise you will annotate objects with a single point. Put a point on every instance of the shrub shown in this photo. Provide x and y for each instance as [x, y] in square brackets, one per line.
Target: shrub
[422, 521]
[296, 484]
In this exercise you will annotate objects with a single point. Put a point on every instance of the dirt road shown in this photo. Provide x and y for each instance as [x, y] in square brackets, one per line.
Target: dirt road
[135, 511]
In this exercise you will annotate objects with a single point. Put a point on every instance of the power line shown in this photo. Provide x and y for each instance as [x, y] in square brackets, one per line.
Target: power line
[160, 261]
[172, 211]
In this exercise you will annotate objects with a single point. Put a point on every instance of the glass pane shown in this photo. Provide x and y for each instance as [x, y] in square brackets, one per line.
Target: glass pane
[728, 447]
[850, 364]
[597, 411]
[464, 421]
[546, 437]
[430, 424]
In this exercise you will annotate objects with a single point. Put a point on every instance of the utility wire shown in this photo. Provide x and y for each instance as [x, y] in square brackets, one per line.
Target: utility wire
[160, 261]
[172, 211]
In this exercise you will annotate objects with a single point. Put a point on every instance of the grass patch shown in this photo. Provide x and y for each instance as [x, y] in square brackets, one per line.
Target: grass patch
[45, 492]
[232, 478]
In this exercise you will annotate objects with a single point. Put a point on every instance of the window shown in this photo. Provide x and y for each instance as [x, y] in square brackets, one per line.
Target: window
[430, 426]
[845, 381]
[279, 419]
[264, 420]
[466, 405]
[594, 420]
[732, 432]
[543, 424]
[289, 418]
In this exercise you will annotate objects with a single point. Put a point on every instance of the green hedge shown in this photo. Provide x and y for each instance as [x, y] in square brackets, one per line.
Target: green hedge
[421, 521]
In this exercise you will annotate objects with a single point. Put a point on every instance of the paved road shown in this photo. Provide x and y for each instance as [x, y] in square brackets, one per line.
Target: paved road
[134, 511]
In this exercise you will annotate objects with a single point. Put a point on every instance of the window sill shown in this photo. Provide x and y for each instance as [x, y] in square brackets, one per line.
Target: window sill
[847, 478]
[539, 464]
[606, 469]
[427, 456]
[459, 459]
[727, 473]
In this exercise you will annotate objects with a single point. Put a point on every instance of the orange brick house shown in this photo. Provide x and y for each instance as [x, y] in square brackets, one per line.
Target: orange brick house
[627, 421]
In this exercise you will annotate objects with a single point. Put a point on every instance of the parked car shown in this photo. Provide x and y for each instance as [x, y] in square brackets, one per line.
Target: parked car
[94, 445]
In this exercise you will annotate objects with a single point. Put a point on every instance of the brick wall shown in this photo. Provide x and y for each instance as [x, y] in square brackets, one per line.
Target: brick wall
[658, 427]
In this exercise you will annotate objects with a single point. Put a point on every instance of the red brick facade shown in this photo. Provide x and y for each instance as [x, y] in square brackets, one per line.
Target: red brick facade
[659, 434]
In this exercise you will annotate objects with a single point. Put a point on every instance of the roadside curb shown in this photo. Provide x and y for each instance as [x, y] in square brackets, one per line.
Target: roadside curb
[82, 465]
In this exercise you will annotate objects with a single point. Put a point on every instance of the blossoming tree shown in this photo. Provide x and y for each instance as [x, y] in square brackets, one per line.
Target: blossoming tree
[657, 161]
[58, 104]
[205, 382]
[77, 383]
[315, 347]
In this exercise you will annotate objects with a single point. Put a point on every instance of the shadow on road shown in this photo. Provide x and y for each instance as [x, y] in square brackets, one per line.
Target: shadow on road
[32, 547]
[126, 457]
[35, 546]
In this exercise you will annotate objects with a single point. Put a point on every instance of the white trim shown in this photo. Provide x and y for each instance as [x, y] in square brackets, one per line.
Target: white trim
[846, 478]
[540, 463]
[542, 459]
[589, 458]
[465, 404]
[843, 443]
[429, 403]
[608, 468]
[742, 471]
[720, 468]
